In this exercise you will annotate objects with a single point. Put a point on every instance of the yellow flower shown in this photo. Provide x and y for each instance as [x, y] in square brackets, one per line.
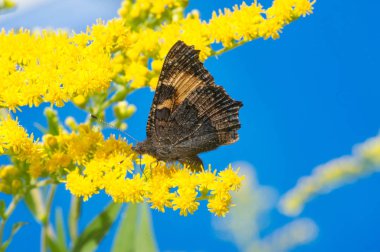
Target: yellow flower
[79, 185]
[137, 73]
[158, 192]
[79, 146]
[149, 162]
[79, 100]
[58, 161]
[127, 190]
[36, 166]
[186, 202]
[153, 83]
[219, 204]
[10, 179]
[230, 178]
[184, 179]
[206, 179]
[52, 67]
[146, 11]
[15, 140]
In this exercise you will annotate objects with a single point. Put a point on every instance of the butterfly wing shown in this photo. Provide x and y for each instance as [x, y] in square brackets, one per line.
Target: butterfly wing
[206, 119]
[190, 114]
[182, 73]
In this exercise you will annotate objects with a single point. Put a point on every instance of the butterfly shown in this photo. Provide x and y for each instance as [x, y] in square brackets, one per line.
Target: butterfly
[190, 114]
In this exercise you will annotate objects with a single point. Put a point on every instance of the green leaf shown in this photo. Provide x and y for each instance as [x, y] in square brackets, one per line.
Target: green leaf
[2, 209]
[53, 245]
[59, 224]
[95, 231]
[145, 240]
[15, 228]
[126, 233]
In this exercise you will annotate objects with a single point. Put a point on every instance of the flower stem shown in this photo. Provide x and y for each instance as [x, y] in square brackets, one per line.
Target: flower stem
[203, 197]
[47, 231]
[74, 216]
[8, 213]
[225, 49]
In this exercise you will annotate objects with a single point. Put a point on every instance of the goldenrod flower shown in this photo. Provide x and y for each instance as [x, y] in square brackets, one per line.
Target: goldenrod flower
[158, 192]
[79, 185]
[54, 67]
[127, 190]
[206, 179]
[186, 202]
[230, 178]
[219, 204]
[14, 140]
[10, 181]
[142, 13]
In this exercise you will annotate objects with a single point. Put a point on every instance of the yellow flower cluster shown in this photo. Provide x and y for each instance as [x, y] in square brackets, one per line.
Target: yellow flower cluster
[365, 160]
[231, 28]
[144, 12]
[10, 180]
[88, 163]
[51, 66]
[56, 67]
[14, 140]
[49, 157]
[251, 22]
[163, 187]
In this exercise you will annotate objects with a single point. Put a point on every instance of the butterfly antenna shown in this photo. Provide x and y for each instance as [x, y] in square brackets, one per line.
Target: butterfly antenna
[108, 125]
[141, 169]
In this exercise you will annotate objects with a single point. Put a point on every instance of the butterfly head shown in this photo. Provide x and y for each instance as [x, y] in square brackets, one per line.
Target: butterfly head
[144, 147]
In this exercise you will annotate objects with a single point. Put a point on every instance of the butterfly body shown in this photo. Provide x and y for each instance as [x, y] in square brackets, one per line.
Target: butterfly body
[190, 114]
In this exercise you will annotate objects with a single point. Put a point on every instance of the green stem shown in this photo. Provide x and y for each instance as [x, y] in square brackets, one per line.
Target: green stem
[203, 197]
[44, 183]
[41, 183]
[8, 213]
[46, 227]
[225, 49]
[2, 226]
[73, 217]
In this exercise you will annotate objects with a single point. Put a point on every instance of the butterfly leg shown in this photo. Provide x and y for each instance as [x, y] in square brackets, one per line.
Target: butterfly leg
[194, 162]
[157, 162]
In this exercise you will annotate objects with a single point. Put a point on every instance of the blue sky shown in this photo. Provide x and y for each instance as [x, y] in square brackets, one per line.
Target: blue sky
[308, 98]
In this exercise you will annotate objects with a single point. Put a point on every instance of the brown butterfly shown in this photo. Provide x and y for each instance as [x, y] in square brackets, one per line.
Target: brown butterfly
[189, 114]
